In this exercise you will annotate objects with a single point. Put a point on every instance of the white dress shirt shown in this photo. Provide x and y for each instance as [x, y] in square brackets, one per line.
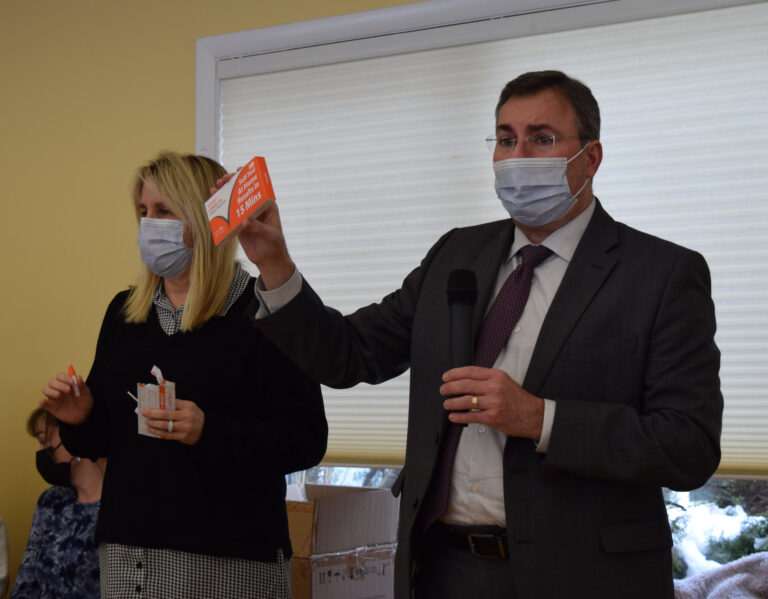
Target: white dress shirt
[477, 482]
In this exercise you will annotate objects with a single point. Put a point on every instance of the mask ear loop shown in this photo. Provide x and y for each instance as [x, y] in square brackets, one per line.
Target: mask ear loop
[52, 450]
[567, 162]
[584, 147]
[575, 195]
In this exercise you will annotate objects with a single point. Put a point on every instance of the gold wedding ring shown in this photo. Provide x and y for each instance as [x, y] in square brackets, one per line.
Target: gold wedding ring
[474, 403]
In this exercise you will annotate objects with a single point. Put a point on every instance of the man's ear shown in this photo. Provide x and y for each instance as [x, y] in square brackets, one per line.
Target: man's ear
[594, 157]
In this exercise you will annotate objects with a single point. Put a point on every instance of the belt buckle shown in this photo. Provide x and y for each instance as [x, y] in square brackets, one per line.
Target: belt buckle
[499, 543]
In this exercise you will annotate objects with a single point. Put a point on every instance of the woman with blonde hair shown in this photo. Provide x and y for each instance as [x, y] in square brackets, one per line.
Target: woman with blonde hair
[196, 507]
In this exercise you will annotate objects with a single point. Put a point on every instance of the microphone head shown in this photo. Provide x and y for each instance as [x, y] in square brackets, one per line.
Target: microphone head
[462, 287]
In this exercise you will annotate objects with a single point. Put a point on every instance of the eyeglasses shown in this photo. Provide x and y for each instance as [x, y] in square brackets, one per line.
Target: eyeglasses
[538, 143]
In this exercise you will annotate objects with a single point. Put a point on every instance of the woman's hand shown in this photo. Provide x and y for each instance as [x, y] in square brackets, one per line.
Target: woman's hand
[61, 401]
[187, 420]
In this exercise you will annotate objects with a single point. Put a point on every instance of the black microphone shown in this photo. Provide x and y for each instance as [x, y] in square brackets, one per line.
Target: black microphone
[462, 295]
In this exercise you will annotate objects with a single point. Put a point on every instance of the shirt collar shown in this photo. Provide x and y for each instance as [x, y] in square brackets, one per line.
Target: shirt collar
[170, 317]
[563, 241]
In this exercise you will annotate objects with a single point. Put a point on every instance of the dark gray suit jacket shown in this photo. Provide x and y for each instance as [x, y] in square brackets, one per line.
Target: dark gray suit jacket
[627, 351]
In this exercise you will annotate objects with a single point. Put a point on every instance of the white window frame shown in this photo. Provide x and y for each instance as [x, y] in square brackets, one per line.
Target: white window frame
[410, 27]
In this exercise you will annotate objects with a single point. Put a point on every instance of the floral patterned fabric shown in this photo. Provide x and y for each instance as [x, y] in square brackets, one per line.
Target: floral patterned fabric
[61, 560]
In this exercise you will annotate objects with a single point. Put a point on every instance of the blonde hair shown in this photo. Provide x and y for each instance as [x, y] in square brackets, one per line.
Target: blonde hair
[185, 182]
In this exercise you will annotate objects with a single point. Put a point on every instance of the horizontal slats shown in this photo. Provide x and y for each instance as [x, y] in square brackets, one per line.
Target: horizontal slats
[372, 160]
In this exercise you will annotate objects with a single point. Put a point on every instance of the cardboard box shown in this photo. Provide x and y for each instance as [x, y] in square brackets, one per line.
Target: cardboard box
[365, 573]
[344, 541]
[244, 195]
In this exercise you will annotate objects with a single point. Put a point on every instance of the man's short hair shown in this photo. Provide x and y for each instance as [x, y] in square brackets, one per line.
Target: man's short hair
[579, 95]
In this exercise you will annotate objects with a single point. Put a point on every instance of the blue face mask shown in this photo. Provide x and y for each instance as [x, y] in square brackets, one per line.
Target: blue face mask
[535, 191]
[161, 242]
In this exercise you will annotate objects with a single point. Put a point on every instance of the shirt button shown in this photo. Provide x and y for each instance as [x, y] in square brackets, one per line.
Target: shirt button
[516, 329]
[139, 565]
[481, 429]
[138, 588]
[473, 489]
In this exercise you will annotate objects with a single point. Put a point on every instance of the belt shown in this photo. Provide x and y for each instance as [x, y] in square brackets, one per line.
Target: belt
[482, 541]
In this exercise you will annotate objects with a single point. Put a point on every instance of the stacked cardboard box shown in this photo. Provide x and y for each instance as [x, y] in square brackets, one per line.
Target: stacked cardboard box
[344, 541]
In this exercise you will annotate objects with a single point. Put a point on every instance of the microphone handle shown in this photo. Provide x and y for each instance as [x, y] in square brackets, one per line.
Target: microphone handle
[461, 335]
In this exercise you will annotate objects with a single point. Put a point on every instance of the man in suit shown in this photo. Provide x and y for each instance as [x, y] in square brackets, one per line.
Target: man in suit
[605, 391]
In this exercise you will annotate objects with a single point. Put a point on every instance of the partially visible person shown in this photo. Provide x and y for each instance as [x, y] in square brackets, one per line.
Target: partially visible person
[3, 557]
[593, 385]
[198, 509]
[61, 560]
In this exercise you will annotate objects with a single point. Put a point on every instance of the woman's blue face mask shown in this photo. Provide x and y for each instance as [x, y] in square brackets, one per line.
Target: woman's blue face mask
[161, 242]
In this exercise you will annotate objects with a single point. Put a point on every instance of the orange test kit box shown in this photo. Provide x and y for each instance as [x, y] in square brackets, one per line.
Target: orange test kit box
[244, 195]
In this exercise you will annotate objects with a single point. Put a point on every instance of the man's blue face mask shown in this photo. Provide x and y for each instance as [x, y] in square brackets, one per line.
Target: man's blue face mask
[535, 191]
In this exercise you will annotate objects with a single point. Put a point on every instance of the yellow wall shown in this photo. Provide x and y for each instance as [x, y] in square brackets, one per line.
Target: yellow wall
[89, 89]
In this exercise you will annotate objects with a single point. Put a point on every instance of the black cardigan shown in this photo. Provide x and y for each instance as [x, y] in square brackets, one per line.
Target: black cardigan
[224, 496]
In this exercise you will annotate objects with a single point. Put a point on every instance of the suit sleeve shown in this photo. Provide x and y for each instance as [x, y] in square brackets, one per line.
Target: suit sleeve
[371, 345]
[670, 434]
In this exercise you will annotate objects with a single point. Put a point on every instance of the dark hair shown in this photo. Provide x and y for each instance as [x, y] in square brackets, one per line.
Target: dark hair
[579, 95]
[48, 419]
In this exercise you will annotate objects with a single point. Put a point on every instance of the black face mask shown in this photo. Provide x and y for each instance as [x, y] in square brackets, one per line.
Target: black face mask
[54, 473]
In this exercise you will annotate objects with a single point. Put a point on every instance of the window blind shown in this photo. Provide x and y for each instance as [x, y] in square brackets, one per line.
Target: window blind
[373, 159]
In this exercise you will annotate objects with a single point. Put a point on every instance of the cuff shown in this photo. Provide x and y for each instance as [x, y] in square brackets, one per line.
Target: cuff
[271, 301]
[546, 426]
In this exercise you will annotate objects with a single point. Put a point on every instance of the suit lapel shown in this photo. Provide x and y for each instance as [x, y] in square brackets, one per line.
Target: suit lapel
[590, 266]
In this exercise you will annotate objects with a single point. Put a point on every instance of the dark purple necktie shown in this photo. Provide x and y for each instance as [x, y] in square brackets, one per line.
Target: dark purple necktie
[494, 333]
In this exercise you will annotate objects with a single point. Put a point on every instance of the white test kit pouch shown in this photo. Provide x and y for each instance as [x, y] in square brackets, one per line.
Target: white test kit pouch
[161, 396]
